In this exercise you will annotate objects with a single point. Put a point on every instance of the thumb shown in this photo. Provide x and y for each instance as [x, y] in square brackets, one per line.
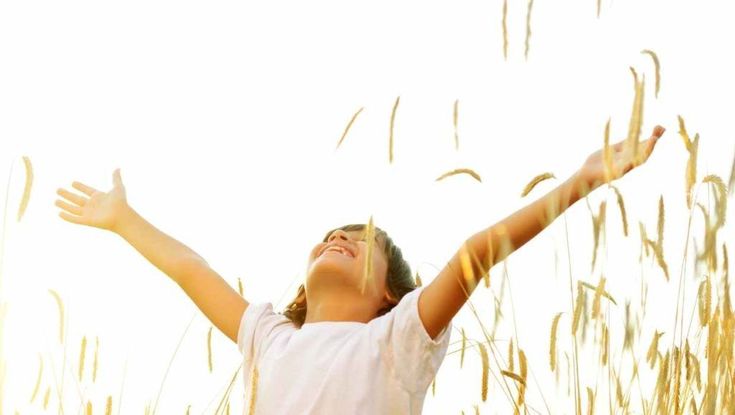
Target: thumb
[116, 179]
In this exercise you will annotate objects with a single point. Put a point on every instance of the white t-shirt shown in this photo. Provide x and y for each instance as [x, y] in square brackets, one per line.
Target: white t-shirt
[384, 366]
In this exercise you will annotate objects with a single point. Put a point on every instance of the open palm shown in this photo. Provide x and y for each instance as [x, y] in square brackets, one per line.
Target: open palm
[622, 159]
[95, 208]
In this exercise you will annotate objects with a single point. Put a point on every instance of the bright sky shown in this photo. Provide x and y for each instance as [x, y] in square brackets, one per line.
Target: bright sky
[224, 117]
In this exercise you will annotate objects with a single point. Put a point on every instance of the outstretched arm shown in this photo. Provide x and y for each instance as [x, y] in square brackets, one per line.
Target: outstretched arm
[446, 294]
[222, 305]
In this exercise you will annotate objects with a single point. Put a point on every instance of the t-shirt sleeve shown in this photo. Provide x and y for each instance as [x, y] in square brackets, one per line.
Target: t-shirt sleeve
[257, 325]
[412, 354]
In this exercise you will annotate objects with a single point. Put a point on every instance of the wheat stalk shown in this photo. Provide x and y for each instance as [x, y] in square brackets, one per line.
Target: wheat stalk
[209, 349]
[464, 345]
[38, 378]
[253, 390]
[590, 401]
[704, 301]
[60, 305]
[596, 299]
[46, 397]
[392, 123]
[603, 293]
[82, 354]
[552, 341]
[94, 363]
[536, 180]
[607, 154]
[456, 135]
[578, 306]
[621, 206]
[510, 355]
[660, 223]
[455, 172]
[731, 182]
[239, 286]
[605, 347]
[598, 223]
[524, 375]
[368, 267]
[108, 405]
[89, 408]
[485, 370]
[692, 148]
[657, 67]
[352, 120]
[513, 376]
[504, 23]
[636, 118]
[528, 29]
[720, 197]
[27, 188]
[653, 349]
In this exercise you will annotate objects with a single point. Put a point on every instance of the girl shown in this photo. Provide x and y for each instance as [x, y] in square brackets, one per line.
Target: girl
[343, 346]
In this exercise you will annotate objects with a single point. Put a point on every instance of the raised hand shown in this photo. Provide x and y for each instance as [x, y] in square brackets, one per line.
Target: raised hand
[94, 208]
[622, 160]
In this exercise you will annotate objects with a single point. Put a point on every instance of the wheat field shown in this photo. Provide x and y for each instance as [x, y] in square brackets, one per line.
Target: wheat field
[622, 305]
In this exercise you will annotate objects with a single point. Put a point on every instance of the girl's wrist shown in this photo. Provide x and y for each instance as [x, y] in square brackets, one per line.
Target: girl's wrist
[125, 219]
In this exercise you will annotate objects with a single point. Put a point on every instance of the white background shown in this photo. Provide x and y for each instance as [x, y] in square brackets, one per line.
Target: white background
[224, 118]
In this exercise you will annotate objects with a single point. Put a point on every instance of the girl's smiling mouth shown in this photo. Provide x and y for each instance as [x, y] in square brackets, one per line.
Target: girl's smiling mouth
[339, 249]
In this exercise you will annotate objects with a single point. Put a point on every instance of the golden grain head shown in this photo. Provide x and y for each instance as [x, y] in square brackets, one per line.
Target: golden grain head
[464, 345]
[720, 197]
[368, 266]
[536, 180]
[38, 378]
[510, 355]
[657, 68]
[608, 154]
[528, 29]
[485, 370]
[516, 377]
[347, 129]
[459, 171]
[95, 362]
[621, 206]
[392, 124]
[552, 341]
[27, 188]
[82, 353]
[60, 305]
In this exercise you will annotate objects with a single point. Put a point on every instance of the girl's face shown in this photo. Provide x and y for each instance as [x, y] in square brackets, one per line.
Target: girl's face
[342, 259]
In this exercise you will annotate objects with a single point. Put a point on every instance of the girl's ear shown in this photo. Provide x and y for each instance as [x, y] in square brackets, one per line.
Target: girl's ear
[389, 299]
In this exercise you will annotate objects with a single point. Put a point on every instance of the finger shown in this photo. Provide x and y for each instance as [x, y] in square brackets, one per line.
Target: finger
[69, 207]
[79, 200]
[116, 179]
[658, 131]
[71, 218]
[84, 188]
[648, 147]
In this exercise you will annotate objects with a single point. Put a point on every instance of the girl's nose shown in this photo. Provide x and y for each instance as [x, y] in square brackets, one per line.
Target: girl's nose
[339, 233]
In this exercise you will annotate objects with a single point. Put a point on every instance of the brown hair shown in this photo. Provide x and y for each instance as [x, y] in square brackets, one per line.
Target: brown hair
[398, 279]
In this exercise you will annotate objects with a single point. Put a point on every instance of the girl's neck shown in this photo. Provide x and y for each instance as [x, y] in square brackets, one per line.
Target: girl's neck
[341, 307]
